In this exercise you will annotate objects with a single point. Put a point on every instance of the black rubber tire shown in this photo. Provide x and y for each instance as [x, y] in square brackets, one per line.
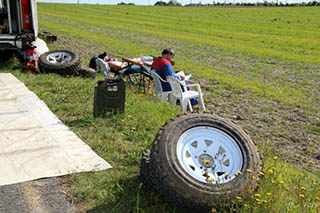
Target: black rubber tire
[87, 72]
[68, 68]
[163, 172]
[144, 169]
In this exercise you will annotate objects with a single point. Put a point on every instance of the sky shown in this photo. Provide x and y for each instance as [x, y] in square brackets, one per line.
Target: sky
[152, 2]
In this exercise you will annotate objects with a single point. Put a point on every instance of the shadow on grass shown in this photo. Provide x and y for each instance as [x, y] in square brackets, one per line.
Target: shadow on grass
[10, 59]
[82, 122]
[131, 196]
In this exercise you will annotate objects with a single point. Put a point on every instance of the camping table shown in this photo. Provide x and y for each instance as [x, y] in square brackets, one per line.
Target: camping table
[143, 78]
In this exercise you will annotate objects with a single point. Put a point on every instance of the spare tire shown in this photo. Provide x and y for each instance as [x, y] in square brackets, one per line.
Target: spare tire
[198, 161]
[62, 62]
[85, 71]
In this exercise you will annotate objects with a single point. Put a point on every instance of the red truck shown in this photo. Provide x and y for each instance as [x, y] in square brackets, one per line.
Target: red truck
[19, 27]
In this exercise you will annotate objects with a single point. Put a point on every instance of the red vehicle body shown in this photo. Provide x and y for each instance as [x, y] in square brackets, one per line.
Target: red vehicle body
[19, 28]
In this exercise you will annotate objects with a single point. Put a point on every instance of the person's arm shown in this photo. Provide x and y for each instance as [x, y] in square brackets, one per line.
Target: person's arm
[168, 70]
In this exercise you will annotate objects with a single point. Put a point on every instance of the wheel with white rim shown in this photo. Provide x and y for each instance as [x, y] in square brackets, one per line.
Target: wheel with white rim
[63, 62]
[198, 161]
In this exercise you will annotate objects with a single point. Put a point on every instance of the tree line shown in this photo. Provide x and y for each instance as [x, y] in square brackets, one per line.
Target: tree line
[243, 4]
[234, 4]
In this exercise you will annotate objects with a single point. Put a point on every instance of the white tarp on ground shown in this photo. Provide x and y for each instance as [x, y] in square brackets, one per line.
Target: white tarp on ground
[34, 143]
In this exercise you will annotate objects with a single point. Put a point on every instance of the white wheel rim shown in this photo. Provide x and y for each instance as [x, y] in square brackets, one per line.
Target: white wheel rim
[209, 155]
[59, 57]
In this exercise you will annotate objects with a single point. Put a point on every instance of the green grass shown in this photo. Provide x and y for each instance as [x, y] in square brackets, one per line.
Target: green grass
[239, 33]
[269, 54]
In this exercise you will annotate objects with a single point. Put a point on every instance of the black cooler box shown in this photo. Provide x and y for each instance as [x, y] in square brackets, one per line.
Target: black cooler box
[109, 97]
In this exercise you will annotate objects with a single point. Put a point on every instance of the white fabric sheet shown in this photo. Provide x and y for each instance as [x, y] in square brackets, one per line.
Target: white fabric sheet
[34, 143]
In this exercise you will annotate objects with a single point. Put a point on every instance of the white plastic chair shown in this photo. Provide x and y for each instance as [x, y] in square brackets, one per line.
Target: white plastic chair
[158, 87]
[186, 95]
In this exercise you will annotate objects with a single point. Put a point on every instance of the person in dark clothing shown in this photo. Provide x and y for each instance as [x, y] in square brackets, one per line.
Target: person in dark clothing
[101, 63]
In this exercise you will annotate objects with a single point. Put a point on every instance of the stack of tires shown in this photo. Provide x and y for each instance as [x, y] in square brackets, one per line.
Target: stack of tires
[200, 161]
[64, 62]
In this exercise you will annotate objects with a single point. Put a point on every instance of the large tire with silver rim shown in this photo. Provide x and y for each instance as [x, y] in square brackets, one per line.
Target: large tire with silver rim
[198, 161]
[62, 62]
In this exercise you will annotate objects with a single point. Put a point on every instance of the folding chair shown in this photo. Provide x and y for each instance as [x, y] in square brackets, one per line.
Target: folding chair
[158, 87]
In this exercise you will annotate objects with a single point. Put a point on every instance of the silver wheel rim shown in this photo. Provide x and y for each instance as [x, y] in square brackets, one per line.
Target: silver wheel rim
[209, 155]
[59, 57]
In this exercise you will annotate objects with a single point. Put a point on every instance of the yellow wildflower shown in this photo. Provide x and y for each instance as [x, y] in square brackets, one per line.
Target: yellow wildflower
[129, 116]
[311, 162]
[265, 201]
[213, 210]
[275, 158]
[259, 203]
[257, 195]
[301, 195]
[258, 200]
[246, 205]
[133, 128]
[238, 198]
[318, 198]
[249, 170]
[258, 179]
[210, 180]
[281, 182]
[261, 173]
[123, 120]
[268, 193]
[253, 177]
[303, 188]
[270, 171]
[272, 181]
[315, 183]
[207, 161]
[239, 172]
[318, 166]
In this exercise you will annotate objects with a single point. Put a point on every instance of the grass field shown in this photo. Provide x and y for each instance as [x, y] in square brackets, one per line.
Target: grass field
[259, 67]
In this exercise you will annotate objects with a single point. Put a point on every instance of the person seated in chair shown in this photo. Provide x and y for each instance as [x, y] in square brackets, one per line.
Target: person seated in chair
[163, 66]
[102, 63]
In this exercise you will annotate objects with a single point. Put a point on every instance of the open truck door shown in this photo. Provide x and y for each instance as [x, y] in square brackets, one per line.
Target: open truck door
[34, 18]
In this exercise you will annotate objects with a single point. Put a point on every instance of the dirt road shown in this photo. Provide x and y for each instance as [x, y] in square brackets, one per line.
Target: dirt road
[44, 195]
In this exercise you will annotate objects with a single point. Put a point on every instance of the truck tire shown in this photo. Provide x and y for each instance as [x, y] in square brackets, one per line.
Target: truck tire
[63, 62]
[199, 161]
[87, 72]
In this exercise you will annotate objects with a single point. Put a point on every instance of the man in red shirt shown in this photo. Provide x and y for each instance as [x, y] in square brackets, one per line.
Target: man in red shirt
[163, 67]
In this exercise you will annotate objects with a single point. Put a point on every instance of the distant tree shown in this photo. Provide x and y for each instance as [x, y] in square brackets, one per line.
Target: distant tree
[173, 3]
[160, 3]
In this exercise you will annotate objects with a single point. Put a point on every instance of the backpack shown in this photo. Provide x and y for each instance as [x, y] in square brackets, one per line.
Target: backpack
[92, 63]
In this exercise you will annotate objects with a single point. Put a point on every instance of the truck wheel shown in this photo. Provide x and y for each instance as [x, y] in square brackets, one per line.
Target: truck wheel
[62, 62]
[144, 169]
[198, 161]
[87, 72]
